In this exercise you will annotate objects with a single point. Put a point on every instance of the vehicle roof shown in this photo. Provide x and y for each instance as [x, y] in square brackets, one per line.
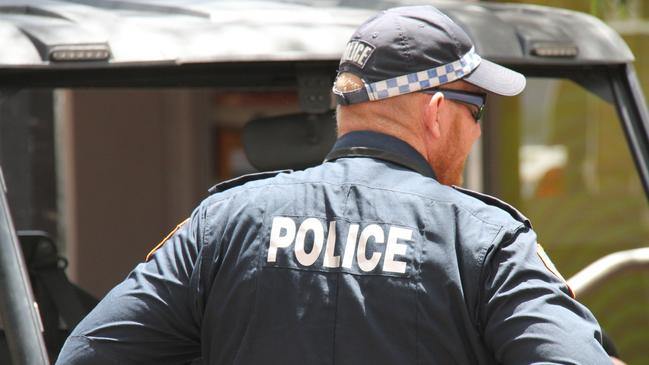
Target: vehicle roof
[146, 32]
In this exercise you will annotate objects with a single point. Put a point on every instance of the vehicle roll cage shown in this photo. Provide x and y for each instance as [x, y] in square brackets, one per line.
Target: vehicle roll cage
[49, 39]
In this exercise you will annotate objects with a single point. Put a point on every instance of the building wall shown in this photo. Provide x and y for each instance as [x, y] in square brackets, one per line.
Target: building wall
[136, 165]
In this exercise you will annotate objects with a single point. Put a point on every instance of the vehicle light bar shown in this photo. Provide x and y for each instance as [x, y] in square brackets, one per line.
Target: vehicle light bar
[80, 53]
[546, 49]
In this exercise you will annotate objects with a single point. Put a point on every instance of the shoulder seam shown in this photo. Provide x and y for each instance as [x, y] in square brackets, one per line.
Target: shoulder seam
[491, 246]
[428, 198]
[495, 202]
[243, 179]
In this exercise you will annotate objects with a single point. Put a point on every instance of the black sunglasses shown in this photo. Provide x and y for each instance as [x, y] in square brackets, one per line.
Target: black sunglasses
[478, 100]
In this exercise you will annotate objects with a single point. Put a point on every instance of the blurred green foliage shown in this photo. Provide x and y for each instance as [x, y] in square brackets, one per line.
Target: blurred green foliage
[594, 204]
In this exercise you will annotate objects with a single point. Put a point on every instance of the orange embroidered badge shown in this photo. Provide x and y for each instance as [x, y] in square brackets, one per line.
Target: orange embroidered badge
[550, 266]
[165, 239]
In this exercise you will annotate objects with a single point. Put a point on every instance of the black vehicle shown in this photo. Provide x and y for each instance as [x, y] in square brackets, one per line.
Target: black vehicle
[119, 114]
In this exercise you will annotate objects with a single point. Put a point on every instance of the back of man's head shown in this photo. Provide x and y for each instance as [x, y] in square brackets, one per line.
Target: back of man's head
[404, 50]
[392, 116]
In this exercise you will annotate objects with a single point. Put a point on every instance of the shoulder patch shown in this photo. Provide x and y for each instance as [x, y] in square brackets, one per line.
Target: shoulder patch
[550, 266]
[493, 201]
[148, 256]
[240, 180]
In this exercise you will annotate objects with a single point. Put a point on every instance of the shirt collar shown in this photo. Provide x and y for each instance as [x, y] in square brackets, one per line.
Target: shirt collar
[380, 146]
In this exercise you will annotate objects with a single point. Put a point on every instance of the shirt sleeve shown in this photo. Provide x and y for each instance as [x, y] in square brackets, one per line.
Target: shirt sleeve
[527, 313]
[153, 316]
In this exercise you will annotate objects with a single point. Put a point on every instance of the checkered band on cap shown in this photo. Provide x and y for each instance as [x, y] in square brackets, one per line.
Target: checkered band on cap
[426, 79]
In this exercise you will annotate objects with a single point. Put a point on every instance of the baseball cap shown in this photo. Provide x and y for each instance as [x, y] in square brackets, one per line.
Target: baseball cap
[408, 49]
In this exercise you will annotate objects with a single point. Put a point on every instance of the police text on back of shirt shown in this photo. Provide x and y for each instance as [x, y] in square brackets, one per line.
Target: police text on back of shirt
[371, 248]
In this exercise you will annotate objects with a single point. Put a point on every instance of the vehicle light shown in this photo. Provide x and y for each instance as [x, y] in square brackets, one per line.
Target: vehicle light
[80, 53]
[554, 50]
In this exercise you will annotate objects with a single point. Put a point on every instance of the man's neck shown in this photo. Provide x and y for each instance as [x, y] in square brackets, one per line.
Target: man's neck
[410, 137]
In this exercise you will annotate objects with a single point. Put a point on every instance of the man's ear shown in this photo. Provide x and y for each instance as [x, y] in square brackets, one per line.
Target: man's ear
[432, 114]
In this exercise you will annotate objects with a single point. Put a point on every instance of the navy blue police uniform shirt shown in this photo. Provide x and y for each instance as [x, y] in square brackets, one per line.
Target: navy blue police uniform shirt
[365, 259]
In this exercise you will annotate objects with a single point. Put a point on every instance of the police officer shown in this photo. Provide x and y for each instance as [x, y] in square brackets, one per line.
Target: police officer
[373, 257]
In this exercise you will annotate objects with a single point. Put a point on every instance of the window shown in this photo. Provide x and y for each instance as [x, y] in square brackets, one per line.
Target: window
[559, 154]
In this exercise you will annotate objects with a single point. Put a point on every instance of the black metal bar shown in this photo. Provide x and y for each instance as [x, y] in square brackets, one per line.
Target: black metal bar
[20, 317]
[634, 117]
[233, 75]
